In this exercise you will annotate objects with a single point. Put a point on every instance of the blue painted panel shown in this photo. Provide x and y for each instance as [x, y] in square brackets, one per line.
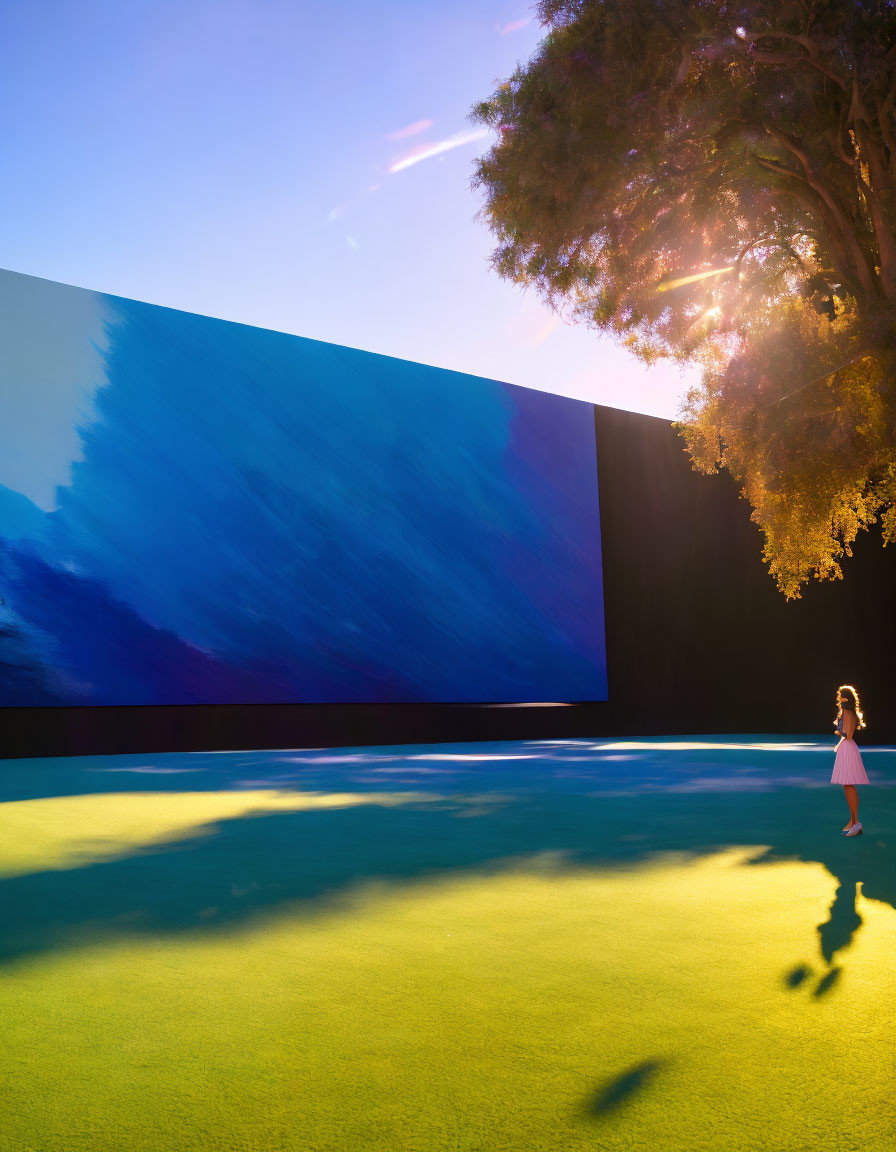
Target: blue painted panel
[195, 511]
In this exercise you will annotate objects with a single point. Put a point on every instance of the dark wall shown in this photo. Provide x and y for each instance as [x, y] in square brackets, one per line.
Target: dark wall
[698, 638]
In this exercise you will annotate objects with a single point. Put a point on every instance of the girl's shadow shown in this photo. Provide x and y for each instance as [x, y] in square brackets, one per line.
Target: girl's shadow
[836, 933]
[843, 921]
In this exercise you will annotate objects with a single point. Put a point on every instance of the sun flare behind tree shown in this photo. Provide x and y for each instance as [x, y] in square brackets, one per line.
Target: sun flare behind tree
[711, 183]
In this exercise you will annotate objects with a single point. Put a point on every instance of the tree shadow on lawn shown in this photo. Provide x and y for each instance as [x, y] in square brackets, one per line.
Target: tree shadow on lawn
[622, 1088]
[225, 875]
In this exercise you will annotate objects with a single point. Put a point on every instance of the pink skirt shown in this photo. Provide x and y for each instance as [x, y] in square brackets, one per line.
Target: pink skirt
[848, 766]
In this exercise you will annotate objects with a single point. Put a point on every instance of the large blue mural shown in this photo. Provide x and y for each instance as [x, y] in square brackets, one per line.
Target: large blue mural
[196, 511]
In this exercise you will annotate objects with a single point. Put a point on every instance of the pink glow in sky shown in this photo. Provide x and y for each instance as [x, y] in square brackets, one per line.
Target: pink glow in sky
[513, 26]
[409, 130]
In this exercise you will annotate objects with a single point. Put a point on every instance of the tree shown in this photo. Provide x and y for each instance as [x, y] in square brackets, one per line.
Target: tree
[713, 182]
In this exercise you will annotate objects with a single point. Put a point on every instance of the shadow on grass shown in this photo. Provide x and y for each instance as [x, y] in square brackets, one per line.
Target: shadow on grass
[621, 1089]
[827, 982]
[837, 931]
[797, 976]
[226, 875]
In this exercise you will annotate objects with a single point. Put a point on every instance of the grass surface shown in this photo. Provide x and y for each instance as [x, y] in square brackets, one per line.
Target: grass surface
[577, 945]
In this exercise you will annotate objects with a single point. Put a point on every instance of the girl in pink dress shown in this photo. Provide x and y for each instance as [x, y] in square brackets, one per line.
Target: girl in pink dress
[848, 767]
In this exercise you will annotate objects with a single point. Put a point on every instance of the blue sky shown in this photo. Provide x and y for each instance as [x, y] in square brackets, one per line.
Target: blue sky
[243, 159]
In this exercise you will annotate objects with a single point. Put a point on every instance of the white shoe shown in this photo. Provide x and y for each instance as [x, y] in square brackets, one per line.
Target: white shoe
[856, 830]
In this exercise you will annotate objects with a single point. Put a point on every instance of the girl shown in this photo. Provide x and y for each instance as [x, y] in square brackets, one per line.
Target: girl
[848, 767]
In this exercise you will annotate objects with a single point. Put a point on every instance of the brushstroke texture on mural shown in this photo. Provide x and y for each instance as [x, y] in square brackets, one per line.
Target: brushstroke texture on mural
[196, 511]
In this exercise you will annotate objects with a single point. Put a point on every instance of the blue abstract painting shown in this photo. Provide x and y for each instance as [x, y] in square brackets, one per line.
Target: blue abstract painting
[195, 511]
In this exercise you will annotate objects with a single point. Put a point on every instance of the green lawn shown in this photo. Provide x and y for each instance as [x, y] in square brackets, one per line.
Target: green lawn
[575, 947]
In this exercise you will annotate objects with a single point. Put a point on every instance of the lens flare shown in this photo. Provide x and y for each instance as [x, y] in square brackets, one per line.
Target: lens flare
[665, 285]
[430, 150]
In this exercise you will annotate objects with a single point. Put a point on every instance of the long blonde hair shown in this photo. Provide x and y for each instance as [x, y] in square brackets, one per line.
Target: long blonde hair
[849, 691]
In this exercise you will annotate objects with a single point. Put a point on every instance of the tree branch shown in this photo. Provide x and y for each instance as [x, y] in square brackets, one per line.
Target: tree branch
[834, 206]
[846, 269]
[843, 154]
[886, 242]
[807, 42]
[771, 241]
[783, 58]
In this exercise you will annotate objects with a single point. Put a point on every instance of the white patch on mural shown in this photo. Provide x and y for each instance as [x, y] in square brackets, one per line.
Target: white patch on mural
[52, 341]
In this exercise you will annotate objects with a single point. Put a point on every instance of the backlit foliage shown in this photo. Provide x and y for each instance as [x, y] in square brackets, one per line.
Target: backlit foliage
[711, 183]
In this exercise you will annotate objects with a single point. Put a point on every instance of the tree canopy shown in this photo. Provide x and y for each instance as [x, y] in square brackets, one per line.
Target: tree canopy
[713, 182]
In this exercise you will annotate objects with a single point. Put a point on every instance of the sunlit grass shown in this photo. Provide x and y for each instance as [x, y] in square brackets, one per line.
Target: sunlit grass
[534, 1004]
[71, 831]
